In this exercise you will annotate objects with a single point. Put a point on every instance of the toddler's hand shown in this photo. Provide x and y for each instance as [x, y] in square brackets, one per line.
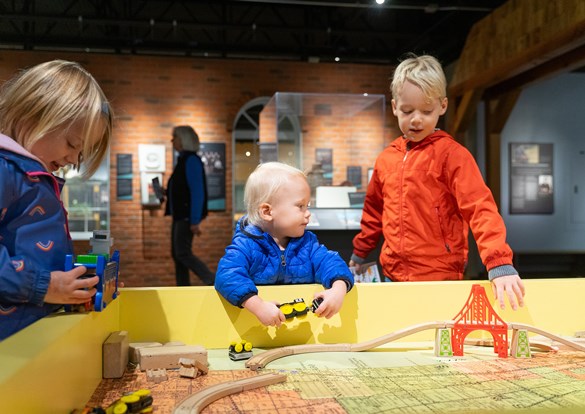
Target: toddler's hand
[332, 299]
[267, 313]
[68, 288]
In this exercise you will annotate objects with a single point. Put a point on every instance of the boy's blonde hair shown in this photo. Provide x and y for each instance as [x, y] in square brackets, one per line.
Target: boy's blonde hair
[53, 95]
[188, 137]
[264, 183]
[425, 72]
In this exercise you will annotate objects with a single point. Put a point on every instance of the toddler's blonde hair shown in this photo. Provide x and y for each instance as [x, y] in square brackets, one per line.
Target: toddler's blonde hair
[51, 96]
[425, 72]
[263, 184]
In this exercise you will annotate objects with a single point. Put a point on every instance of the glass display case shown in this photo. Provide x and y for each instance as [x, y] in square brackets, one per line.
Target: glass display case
[335, 138]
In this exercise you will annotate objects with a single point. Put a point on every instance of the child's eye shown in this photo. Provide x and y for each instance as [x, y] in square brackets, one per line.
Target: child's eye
[407, 112]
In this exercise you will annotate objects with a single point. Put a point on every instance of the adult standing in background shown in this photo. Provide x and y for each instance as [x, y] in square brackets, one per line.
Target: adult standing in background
[187, 204]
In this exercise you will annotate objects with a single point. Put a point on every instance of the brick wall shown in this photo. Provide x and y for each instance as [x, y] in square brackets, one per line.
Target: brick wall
[150, 95]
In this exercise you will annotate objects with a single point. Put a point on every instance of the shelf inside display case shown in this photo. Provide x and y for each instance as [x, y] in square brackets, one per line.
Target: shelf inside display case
[335, 219]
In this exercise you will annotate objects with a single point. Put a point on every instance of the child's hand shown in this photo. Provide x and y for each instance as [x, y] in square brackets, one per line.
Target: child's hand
[512, 287]
[267, 312]
[357, 267]
[332, 299]
[68, 288]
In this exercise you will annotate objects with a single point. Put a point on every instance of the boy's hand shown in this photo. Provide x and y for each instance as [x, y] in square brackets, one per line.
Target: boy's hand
[68, 288]
[510, 286]
[332, 299]
[357, 267]
[267, 313]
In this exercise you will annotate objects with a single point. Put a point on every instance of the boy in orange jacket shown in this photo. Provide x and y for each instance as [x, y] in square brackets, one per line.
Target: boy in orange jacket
[426, 191]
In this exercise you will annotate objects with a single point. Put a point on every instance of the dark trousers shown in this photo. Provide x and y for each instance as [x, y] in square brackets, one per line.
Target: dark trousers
[185, 260]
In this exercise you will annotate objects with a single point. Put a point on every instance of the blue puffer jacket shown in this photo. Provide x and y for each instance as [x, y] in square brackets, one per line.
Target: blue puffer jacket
[254, 258]
[34, 237]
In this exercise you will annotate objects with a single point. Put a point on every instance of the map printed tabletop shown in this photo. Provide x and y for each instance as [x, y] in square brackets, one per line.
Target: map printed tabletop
[406, 378]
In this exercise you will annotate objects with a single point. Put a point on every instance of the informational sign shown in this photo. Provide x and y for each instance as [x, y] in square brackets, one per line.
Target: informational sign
[354, 175]
[124, 177]
[531, 178]
[214, 161]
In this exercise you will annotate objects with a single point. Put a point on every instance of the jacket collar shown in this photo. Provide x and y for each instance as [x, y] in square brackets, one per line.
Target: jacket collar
[401, 143]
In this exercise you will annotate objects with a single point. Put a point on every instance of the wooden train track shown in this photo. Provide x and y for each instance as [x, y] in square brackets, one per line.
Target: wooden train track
[261, 360]
[194, 403]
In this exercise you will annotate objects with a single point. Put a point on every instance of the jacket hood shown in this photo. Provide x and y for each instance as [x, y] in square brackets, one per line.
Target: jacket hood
[9, 144]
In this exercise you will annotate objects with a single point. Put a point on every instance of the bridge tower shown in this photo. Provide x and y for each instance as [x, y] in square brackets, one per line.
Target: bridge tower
[478, 314]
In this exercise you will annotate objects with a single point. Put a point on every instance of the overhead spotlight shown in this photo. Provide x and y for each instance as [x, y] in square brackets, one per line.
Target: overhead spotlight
[337, 58]
[380, 1]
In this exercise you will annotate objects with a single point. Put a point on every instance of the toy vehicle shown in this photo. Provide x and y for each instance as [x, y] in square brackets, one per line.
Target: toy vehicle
[298, 307]
[315, 304]
[240, 350]
[99, 263]
[135, 402]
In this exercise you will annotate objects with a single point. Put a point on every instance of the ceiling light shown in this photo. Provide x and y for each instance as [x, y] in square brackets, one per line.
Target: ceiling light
[380, 1]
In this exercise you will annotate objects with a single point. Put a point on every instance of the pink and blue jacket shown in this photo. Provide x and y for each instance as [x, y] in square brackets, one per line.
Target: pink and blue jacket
[34, 236]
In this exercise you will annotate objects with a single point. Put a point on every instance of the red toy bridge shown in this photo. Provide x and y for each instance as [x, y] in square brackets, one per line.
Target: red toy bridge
[478, 314]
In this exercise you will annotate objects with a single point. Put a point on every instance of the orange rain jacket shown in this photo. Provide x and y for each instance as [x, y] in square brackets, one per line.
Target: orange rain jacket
[423, 201]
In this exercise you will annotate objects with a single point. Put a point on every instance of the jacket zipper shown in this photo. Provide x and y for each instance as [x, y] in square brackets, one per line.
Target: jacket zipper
[282, 260]
[442, 231]
[401, 201]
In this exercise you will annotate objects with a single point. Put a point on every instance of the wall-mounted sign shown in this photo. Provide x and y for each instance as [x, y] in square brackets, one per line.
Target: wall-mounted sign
[213, 158]
[531, 178]
[151, 158]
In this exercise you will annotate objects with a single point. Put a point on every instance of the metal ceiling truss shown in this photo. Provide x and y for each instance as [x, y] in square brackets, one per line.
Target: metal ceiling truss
[355, 31]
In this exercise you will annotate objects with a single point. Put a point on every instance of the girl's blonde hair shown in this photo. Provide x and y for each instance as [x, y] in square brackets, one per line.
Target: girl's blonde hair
[263, 184]
[425, 72]
[51, 96]
[188, 137]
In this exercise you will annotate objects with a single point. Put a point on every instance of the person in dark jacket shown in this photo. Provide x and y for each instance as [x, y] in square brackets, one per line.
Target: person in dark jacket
[187, 204]
[52, 115]
[271, 246]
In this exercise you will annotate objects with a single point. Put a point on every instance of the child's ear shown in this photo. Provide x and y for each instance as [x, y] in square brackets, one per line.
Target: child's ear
[266, 211]
[394, 107]
[444, 103]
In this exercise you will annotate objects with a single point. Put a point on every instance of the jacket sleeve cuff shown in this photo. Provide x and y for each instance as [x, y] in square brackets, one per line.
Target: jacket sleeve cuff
[357, 259]
[348, 283]
[499, 271]
[40, 290]
[245, 298]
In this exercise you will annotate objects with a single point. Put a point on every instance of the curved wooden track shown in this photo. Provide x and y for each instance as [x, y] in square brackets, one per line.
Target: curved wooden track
[549, 335]
[261, 360]
[194, 403]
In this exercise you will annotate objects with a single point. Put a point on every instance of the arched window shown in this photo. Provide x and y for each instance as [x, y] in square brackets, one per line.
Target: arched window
[246, 151]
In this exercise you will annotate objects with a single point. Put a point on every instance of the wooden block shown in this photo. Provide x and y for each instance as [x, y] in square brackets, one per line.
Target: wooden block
[115, 355]
[188, 372]
[174, 343]
[202, 368]
[134, 356]
[156, 375]
[186, 362]
[168, 356]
